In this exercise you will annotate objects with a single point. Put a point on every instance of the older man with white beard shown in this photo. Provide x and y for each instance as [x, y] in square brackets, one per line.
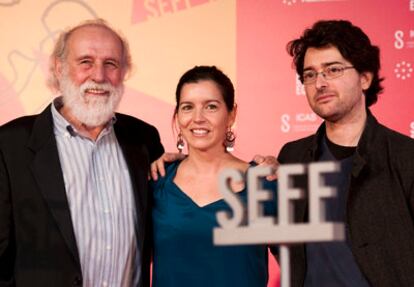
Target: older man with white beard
[73, 179]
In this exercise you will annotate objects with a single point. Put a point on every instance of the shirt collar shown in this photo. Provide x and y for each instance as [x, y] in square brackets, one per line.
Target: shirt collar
[63, 128]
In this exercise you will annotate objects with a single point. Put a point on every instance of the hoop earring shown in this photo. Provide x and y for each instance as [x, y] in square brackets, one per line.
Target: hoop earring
[230, 139]
[180, 143]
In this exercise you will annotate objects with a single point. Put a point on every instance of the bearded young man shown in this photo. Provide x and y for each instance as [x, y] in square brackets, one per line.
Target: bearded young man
[73, 179]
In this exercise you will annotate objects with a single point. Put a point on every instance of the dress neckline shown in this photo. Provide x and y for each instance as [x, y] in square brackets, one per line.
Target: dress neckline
[185, 195]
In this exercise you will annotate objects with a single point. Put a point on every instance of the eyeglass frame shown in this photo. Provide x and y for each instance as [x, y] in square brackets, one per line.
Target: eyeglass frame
[324, 74]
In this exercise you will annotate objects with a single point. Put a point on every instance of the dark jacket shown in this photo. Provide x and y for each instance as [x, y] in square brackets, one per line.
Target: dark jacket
[37, 241]
[380, 204]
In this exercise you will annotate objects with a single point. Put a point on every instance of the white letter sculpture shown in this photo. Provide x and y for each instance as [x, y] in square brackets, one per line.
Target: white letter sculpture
[282, 230]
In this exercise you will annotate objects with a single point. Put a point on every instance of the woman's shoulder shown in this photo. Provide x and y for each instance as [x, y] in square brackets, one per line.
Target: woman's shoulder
[170, 171]
[238, 164]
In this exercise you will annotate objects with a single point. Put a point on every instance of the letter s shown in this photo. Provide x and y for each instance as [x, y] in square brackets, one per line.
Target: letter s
[285, 127]
[224, 218]
[151, 9]
[399, 43]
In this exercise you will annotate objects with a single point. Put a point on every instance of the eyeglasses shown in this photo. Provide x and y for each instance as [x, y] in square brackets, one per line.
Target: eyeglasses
[328, 73]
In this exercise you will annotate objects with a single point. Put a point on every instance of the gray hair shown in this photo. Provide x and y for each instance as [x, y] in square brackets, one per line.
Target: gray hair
[60, 50]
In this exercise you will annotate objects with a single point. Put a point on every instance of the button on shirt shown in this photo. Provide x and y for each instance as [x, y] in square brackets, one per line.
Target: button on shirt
[101, 202]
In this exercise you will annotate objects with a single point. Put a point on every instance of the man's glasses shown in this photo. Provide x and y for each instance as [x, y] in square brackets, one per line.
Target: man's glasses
[328, 73]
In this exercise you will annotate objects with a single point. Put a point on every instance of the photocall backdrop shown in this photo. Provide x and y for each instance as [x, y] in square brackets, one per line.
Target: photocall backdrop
[245, 38]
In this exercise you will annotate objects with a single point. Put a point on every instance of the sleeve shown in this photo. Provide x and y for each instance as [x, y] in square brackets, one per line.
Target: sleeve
[281, 158]
[154, 145]
[411, 201]
[6, 240]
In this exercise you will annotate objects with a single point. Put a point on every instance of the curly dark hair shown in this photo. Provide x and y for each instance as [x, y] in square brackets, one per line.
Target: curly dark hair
[210, 73]
[353, 44]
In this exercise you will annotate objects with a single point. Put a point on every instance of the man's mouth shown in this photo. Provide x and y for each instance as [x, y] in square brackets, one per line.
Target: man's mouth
[97, 92]
[324, 98]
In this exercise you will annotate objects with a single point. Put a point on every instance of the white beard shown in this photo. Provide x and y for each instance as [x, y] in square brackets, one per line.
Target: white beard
[92, 111]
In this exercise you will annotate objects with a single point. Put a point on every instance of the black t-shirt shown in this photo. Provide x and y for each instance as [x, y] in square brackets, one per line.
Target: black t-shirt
[332, 264]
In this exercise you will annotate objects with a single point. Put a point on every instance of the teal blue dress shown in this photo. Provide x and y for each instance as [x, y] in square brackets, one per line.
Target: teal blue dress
[184, 254]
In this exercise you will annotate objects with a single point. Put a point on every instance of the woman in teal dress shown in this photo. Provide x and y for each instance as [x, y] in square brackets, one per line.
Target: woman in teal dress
[187, 199]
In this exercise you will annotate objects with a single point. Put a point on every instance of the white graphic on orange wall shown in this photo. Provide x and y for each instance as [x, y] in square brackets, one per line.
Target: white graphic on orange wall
[403, 70]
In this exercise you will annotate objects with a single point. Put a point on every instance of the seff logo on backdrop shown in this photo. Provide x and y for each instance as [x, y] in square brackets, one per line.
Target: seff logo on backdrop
[292, 2]
[147, 9]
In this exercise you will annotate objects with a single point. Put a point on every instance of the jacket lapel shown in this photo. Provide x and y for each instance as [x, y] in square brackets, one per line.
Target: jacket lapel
[48, 175]
[138, 166]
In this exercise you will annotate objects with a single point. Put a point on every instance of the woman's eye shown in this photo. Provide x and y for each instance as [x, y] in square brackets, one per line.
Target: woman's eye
[211, 107]
[185, 107]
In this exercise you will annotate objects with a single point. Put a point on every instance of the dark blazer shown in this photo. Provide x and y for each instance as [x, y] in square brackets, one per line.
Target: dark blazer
[380, 204]
[37, 241]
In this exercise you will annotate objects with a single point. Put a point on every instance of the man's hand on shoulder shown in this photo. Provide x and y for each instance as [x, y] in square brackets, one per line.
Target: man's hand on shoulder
[158, 166]
[268, 161]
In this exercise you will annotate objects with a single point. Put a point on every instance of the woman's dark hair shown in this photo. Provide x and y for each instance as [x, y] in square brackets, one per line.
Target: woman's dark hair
[353, 44]
[207, 73]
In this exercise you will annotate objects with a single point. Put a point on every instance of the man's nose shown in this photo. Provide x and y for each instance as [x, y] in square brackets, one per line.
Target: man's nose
[321, 81]
[98, 74]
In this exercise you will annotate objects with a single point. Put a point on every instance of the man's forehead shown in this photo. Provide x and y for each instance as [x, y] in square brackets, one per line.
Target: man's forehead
[323, 56]
[92, 32]
[94, 41]
[93, 28]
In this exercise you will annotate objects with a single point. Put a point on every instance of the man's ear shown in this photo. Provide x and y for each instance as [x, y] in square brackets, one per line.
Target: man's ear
[58, 70]
[366, 80]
